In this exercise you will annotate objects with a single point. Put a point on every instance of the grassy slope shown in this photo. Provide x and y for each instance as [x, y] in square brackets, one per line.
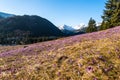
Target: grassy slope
[94, 56]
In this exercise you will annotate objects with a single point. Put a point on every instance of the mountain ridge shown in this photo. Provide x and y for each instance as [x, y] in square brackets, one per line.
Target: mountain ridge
[6, 15]
[25, 27]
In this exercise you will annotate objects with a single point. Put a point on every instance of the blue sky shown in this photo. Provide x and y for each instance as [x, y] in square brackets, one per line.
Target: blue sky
[59, 12]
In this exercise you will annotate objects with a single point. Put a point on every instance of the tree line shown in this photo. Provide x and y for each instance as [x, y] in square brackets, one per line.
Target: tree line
[24, 40]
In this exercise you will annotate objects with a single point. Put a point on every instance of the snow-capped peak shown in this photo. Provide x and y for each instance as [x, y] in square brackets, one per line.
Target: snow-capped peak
[66, 27]
[71, 28]
[79, 26]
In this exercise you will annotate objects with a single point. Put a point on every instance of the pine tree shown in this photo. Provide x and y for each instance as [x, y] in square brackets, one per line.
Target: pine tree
[91, 26]
[111, 13]
[115, 19]
[105, 25]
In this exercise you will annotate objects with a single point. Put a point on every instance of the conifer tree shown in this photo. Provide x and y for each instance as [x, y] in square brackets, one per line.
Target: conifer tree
[111, 14]
[91, 26]
[115, 19]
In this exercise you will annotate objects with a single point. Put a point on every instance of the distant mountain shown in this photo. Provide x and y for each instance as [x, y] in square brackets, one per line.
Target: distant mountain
[5, 15]
[79, 26]
[69, 30]
[19, 27]
[66, 27]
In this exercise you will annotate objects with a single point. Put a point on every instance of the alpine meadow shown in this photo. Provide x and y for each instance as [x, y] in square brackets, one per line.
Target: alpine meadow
[34, 45]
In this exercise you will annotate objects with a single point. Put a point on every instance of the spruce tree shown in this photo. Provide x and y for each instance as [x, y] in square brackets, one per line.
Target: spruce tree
[91, 26]
[115, 19]
[111, 14]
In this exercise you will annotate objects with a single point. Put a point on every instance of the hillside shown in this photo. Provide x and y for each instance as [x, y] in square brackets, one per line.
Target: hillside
[17, 29]
[93, 56]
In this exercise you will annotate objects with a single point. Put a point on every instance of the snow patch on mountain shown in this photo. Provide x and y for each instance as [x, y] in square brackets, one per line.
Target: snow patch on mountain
[66, 27]
[79, 26]
[72, 28]
[5, 15]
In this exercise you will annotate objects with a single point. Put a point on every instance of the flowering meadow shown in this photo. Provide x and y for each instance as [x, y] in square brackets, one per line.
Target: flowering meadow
[92, 56]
